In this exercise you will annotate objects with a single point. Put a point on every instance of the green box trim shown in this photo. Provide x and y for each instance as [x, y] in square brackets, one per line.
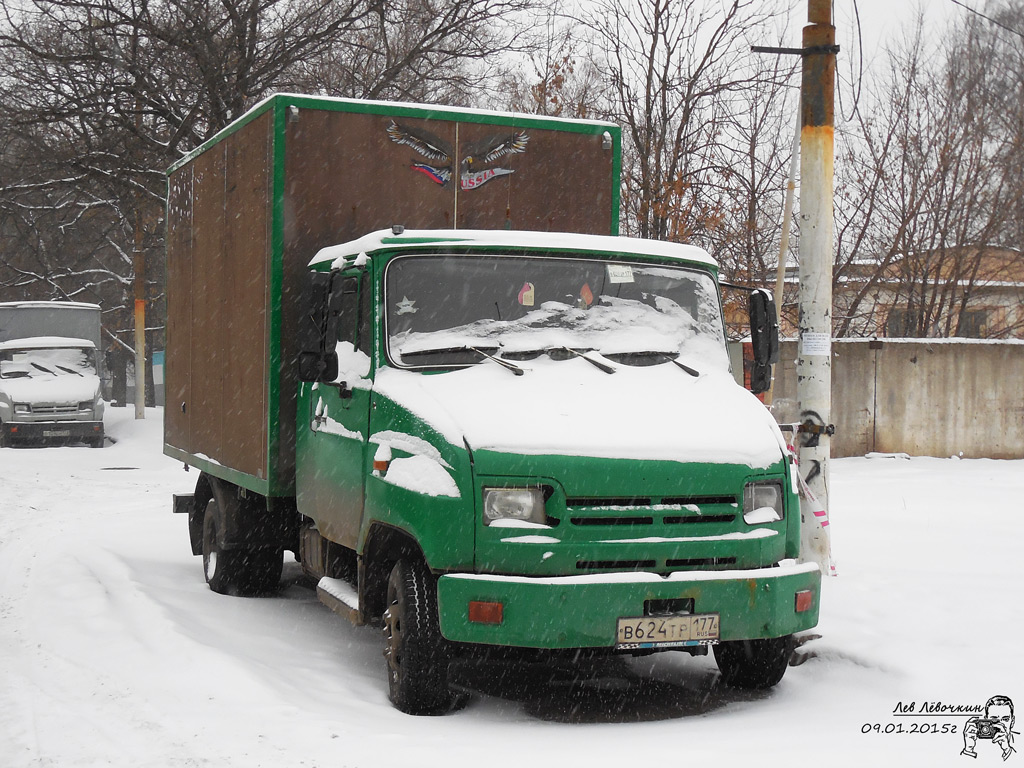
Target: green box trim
[210, 467]
[582, 611]
[281, 101]
[233, 127]
[279, 486]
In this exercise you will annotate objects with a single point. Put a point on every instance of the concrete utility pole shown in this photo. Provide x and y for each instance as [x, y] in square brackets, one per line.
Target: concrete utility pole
[814, 363]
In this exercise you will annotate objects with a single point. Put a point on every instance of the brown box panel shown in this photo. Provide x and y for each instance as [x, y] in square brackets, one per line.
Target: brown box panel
[246, 269]
[179, 308]
[346, 175]
[218, 296]
[559, 183]
[209, 294]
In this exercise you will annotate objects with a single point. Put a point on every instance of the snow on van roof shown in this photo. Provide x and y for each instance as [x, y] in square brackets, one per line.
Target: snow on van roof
[43, 342]
[50, 304]
[558, 241]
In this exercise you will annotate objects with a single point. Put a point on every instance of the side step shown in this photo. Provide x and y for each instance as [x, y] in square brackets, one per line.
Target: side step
[341, 597]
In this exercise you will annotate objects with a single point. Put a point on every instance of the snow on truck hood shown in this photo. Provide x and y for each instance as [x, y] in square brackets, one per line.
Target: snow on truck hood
[571, 408]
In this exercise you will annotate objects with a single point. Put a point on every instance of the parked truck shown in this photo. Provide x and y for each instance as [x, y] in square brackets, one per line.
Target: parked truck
[50, 373]
[502, 427]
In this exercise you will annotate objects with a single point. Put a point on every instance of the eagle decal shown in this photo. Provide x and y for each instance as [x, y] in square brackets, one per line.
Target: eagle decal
[477, 156]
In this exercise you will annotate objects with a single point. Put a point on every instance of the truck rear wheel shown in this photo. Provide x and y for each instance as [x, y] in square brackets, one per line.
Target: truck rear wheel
[416, 653]
[754, 663]
[236, 571]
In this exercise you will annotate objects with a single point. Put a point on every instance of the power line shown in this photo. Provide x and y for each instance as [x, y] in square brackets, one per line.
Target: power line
[989, 18]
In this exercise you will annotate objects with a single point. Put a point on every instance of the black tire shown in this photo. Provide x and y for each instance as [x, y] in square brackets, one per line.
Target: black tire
[236, 571]
[416, 653]
[96, 442]
[754, 664]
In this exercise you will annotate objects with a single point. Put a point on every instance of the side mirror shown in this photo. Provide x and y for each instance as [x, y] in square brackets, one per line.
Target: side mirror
[764, 338]
[315, 362]
[316, 367]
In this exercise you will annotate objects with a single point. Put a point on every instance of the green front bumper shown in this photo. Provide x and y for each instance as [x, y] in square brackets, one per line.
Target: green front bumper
[582, 611]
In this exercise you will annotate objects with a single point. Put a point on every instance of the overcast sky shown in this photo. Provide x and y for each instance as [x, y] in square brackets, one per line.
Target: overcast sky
[879, 19]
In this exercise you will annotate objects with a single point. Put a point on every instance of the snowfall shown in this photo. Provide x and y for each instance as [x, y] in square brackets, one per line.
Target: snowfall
[113, 651]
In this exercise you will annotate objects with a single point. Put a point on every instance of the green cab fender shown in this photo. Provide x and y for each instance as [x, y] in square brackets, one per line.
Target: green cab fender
[419, 483]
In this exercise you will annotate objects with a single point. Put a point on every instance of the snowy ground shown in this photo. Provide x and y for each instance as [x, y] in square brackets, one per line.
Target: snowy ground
[113, 652]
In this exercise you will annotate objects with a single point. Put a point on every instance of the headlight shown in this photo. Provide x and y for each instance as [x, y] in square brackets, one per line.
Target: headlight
[513, 504]
[22, 408]
[85, 405]
[762, 502]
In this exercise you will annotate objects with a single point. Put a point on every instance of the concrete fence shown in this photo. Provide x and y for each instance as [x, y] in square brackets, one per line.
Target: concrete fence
[934, 397]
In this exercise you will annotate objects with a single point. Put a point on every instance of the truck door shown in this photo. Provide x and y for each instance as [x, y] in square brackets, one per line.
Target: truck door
[339, 417]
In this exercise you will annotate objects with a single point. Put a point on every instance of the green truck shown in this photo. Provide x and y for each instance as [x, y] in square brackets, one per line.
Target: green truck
[405, 345]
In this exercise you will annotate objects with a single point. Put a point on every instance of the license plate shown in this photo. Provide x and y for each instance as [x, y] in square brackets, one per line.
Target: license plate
[667, 631]
[56, 433]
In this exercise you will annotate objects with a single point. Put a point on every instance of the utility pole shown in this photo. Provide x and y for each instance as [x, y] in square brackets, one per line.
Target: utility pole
[814, 361]
[139, 267]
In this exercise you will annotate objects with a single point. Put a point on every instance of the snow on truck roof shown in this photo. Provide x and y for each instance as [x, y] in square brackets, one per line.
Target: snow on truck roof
[47, 342]
[337, 255]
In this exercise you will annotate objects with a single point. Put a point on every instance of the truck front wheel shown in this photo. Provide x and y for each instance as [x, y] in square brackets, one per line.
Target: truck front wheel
[236, 571]
[754, 663]
[416, 653]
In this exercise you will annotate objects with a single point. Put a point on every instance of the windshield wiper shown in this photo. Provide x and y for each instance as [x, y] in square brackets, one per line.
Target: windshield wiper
[596, 363]
[467, 348]
[43, 368]
[692, 371]
[655, 356]
[71, 370]
[503, 363]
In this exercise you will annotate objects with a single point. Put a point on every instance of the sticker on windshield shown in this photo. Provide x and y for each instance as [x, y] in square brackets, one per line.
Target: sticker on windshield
[526, 295]
[620, 273]
[406, 307]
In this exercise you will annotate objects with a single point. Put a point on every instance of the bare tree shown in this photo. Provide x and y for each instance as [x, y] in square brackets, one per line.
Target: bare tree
[556, 77]
[434, 51]
[102, 95]
[670, 66]
[929, 184]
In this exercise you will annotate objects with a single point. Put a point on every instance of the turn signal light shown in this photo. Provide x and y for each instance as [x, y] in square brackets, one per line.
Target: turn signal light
[486, 613]
[804, 600]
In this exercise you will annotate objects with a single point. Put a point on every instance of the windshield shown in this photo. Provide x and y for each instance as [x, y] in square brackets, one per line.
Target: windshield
[449, 309]
[46, 363]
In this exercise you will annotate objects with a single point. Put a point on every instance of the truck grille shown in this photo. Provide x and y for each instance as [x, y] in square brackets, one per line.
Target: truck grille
[668, 511]
[55, 410]
[672, 533]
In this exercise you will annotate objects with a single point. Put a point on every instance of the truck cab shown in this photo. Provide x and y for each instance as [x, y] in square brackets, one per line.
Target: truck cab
[534, 441]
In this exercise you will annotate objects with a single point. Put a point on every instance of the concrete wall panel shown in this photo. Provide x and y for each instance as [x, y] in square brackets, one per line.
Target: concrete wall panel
[939, 397]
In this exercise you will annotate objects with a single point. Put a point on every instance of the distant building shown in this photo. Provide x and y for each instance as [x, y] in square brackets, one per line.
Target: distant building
[963, 292]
